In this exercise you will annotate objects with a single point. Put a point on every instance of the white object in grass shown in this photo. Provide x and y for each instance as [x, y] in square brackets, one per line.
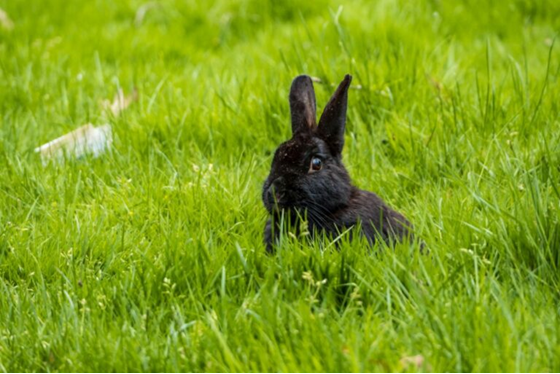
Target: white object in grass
[85, 140]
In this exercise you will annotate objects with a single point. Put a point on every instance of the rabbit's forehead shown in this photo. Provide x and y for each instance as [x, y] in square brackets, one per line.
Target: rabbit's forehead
[296, 149]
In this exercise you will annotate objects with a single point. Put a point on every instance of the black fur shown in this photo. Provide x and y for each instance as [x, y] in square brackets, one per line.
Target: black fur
[326, 197]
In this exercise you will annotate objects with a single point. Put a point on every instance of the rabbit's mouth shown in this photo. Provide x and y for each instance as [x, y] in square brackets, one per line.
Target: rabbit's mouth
[275, 199]
[280, 201]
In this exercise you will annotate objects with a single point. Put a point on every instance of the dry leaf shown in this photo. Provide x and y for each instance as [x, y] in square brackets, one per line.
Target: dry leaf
[120, 102]
[5, 20]
[141, 12]
[434, 82]
[84, 140]
[413, 362]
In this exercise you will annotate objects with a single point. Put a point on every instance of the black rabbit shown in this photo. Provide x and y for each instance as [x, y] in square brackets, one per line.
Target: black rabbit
[308, 178]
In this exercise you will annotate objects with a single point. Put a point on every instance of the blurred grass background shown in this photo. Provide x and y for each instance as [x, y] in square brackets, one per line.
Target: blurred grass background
[150, 258]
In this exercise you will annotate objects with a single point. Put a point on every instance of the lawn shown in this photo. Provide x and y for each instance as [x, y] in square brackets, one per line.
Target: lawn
[151, 257]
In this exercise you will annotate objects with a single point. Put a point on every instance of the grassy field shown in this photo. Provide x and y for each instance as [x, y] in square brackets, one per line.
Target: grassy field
[150, 258]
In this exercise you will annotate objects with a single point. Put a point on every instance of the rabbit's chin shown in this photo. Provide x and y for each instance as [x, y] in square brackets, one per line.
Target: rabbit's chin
[283, 205]
[279, 210]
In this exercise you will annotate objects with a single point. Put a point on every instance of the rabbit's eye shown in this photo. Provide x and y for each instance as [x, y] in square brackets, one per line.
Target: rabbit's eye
[316, 164]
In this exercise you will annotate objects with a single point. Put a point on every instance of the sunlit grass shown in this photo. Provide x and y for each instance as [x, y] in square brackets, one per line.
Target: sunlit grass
[150, 258]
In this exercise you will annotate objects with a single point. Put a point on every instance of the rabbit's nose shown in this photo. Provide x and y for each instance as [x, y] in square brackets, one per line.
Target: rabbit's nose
[278, 182]
[275, 191]
[274, 194]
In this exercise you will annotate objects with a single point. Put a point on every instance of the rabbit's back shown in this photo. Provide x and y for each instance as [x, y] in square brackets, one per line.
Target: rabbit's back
[376, 218]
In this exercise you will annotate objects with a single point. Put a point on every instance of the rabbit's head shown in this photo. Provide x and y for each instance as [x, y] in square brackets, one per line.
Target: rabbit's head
[307, 171]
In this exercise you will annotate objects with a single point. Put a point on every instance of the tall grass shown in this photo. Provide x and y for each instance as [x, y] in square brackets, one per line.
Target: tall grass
[150, 258]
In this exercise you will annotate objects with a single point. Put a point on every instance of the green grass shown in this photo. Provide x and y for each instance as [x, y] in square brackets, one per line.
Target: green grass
[150, 258]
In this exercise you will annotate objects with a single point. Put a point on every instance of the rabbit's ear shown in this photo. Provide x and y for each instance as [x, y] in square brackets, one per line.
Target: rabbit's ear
[302, 104]
[333, 119]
